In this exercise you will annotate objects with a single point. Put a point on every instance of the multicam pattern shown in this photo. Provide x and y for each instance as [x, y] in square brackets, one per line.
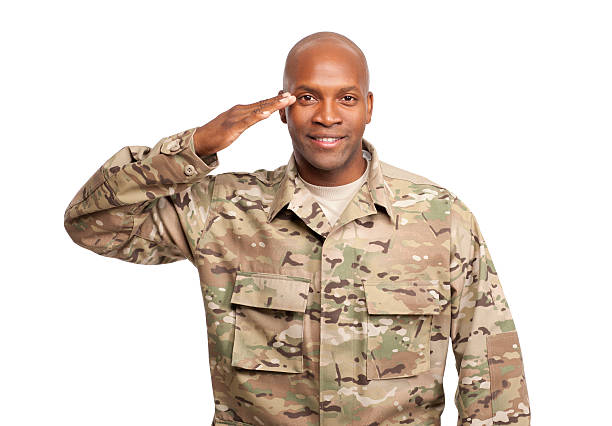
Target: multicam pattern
[309, 323]
[269, 320]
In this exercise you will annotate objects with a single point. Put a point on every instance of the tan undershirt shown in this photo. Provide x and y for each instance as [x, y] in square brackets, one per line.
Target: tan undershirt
[334, 199]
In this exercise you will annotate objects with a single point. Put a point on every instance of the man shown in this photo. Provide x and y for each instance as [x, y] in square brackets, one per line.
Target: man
[331, 285]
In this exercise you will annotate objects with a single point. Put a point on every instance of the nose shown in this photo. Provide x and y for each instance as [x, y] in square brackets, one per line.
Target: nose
[327, 113]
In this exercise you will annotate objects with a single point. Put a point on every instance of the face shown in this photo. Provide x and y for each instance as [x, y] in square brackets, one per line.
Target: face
[332, 101]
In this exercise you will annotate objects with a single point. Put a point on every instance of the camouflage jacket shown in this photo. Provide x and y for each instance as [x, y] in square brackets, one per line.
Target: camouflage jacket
[310, 324]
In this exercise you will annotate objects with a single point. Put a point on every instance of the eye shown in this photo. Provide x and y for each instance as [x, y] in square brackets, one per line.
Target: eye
[349, 96]
[306, 96]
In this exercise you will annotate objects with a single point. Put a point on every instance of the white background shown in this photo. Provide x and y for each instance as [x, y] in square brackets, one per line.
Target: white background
[507, 104]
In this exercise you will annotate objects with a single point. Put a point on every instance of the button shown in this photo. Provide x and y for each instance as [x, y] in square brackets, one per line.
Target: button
[189, 170]
[171, 146]
[174, 145]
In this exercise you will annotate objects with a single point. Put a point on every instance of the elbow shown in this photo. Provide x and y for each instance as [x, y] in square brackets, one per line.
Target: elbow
[97, 232]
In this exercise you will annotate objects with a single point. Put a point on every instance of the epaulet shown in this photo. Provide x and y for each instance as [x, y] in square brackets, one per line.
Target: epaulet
[397, 173]
[270, 176]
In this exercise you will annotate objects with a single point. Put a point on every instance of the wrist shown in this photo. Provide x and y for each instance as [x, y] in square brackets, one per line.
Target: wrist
[200, 143]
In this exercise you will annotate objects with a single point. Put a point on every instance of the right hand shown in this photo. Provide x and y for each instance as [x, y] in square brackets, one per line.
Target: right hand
[227, 126]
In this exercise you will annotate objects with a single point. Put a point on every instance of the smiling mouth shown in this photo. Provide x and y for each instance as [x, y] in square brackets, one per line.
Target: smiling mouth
[328, 140]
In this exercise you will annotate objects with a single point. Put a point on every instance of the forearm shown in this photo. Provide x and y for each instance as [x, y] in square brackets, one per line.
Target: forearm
[492, 389]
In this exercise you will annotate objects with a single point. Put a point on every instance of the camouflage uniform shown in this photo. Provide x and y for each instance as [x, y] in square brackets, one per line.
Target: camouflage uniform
[307, 323]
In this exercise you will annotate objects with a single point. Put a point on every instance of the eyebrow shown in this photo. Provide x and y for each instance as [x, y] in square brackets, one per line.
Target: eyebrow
[311, 89]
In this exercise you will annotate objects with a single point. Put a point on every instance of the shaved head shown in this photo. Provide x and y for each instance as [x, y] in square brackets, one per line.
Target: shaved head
[324, 41]
[328, 75]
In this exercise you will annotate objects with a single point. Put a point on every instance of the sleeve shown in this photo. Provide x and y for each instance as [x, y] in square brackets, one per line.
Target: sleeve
[145, 205]
[492, 389]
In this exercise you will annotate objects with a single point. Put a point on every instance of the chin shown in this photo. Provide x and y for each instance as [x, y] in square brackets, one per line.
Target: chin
[327, 166]
[317, 158]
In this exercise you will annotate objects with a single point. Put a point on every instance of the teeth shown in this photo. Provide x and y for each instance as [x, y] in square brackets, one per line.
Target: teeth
[328, 139]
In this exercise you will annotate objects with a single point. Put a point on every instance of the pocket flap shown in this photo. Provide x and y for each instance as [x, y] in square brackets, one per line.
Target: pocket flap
[414, 297]
[272, 291]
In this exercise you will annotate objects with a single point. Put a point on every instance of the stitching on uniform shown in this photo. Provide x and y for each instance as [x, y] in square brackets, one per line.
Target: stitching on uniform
[451, 254]
[100, 170]
[207, 218]
[489, 345]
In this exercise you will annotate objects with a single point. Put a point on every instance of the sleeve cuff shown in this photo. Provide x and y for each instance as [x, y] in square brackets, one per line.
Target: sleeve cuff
[183, 144]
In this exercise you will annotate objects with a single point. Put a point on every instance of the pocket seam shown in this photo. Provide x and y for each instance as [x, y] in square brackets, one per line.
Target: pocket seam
[273, 275]
[287, 299]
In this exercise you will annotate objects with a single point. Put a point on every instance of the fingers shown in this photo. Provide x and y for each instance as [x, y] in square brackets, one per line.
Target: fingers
[270, 100]
[263, 109]
[282, 103]
[266, 107]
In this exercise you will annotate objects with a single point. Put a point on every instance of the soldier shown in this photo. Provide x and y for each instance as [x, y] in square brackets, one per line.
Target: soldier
[331, 284]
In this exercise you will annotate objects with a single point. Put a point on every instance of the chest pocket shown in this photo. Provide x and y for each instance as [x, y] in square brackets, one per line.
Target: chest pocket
[399, 327]
[269, 330]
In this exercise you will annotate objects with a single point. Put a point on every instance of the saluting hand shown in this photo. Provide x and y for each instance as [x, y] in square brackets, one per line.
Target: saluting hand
[223, 130]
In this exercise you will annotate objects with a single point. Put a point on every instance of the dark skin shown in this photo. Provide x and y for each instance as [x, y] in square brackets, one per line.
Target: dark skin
[326, 86]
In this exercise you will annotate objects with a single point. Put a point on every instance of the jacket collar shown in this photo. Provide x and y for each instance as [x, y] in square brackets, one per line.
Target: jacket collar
[377, 190]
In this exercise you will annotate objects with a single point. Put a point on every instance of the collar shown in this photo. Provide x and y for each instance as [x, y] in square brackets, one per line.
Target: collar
[378, 189]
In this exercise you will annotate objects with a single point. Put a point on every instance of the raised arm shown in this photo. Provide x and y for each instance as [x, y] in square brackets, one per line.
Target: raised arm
[492, 388]
[134, 206]
[150, 205]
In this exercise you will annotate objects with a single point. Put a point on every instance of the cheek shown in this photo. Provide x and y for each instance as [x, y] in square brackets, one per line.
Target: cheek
[296, 117]
[359, 119]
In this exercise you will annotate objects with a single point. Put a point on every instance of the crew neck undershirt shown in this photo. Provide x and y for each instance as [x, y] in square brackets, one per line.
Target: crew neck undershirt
[334, 199]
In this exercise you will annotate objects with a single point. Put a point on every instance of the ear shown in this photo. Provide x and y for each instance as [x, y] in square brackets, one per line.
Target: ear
[370, 106]
[281, 111]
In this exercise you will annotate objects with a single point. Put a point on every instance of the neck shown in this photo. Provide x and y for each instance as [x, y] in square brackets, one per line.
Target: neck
[335, 177]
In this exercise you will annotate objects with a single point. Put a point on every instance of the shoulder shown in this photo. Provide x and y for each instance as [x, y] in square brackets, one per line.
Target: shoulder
[397, 173]
[391, 172]
[256, 185]
[265, 176]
